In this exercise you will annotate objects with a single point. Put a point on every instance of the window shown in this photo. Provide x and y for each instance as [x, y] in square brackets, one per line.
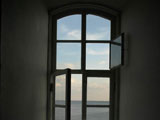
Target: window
[81, 41]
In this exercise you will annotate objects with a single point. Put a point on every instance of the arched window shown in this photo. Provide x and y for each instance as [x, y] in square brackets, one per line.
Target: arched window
[81, 39]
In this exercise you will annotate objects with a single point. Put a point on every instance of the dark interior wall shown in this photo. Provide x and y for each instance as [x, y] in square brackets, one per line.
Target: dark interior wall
[115, 4]
[140, 79]
[24, 60]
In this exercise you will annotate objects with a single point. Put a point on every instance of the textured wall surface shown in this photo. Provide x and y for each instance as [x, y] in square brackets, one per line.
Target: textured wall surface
[140, 78]
[24, 60]
[116, 4]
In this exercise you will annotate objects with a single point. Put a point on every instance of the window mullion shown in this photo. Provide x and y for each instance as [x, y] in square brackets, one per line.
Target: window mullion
[83, 58]
[83, 66]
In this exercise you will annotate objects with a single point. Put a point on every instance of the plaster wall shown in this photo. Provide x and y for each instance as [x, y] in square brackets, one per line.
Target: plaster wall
[24, 60]
[139, 94]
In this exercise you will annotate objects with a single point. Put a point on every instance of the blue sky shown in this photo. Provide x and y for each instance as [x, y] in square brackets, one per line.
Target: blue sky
[69, 28]
[69, 54]
[98, 28]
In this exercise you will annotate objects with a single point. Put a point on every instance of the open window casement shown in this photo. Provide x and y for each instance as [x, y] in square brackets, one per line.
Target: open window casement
[116, 52]
[61, 100]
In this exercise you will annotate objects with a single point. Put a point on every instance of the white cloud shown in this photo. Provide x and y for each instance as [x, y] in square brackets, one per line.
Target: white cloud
[99, 34]
[101, 89]
[102, 62]
[96, 36]
[58, 85]
[69, 34]
[93, 52]
[95, 86]
[63, 28]
[76, 83]
[76, 88]
[69, 65]
[74, 34]
[60, 81]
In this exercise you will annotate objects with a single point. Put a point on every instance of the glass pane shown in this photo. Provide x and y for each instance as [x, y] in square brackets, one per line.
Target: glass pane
[76, 96]
[98, 28]
[98, 91]
[97, 113]
[60, 89]
[69, 28]
[115, 55]
[116, 52]
[59, 113]
[97, 56]
[68, 55]
[118, 40]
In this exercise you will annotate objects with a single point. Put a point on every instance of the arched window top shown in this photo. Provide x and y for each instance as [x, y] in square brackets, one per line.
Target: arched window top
[97, 28]
[95, 10]
[69, 27]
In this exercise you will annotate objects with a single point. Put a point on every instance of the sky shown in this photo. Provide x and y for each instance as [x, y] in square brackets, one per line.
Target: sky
[97, 55]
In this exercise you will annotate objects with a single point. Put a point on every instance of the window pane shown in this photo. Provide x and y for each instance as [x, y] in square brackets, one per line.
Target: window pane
[116, 52]
[68, 55]
[59, 113]
[115, 55]
[98, 28]
[98, 91]
[76, 96]
[69, 28]
[97, 56]
[60, 89]
[97, 113]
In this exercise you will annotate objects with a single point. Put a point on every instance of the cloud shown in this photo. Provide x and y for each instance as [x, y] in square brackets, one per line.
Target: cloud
[76, 83]
[58, 85]
[99, 34]
[67, 65]
[96, 36]
[63, 28]
[76, 87]
[101, 89]
[95, 86]
[60, 81]
[65, 32]
[74, 34]
[93, 52]
[102, 62]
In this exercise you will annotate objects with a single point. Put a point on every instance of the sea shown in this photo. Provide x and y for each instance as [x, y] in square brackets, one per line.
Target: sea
[93, 113]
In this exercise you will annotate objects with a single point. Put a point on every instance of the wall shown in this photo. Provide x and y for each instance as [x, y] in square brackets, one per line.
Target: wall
[24, 60]
[140, 78]
[116, 4]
